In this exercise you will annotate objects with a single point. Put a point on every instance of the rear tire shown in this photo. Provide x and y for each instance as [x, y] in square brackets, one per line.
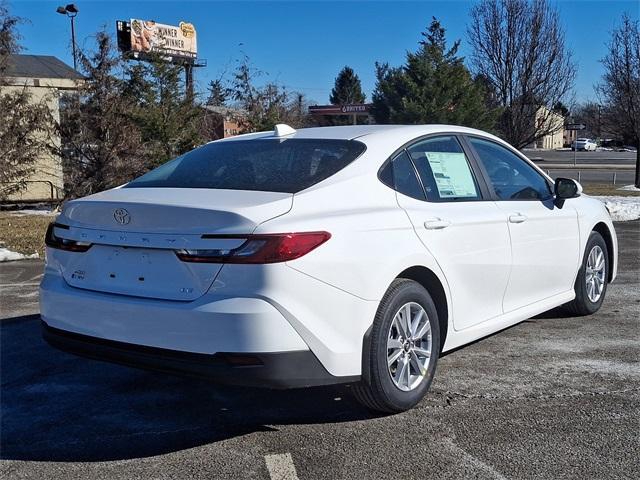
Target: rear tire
[591, 282]
[399, 369]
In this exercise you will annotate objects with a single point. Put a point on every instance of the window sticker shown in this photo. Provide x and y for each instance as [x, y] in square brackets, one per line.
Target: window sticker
[452, 174]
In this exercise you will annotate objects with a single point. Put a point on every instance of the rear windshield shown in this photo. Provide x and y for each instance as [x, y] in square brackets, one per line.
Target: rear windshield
[272, 165]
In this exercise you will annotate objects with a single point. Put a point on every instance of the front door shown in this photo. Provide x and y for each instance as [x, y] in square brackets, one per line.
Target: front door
[545, 241]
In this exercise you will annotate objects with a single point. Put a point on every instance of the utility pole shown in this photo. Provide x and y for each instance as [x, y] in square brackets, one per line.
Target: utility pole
[189, 65]
[188, 79]
[637, 180]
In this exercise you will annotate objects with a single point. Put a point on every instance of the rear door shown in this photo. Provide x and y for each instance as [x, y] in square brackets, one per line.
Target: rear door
[464, 231]
[545, 239]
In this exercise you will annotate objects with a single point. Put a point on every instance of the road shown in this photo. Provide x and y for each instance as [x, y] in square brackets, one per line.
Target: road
[566, 156]
[545, 159]
[553, 397]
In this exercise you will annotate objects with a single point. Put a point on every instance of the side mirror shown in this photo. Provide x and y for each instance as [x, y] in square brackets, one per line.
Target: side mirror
[567, 188]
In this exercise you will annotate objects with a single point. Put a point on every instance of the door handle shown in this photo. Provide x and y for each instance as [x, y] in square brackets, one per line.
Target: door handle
[436, 224]
[517, 218]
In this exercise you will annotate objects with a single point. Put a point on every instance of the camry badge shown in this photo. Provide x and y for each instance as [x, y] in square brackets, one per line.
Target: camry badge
[121, 216]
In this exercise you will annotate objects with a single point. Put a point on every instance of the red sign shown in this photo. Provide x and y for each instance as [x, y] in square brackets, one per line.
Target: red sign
[353, 109]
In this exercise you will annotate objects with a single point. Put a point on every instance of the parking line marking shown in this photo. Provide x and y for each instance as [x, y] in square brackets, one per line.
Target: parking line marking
[281, 467]
[16, 285]
[474, 461]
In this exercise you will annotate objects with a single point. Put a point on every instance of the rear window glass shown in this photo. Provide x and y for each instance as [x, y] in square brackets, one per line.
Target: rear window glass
[272, 165]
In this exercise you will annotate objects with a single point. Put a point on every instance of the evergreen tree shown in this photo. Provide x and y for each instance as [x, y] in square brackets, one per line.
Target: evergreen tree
[347, 88]
[561, 109]
[433, 86]
[101, 144]
[166, 117]
[218, 93]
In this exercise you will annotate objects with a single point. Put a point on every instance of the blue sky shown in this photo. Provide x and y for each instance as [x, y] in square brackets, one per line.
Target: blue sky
[303, 44]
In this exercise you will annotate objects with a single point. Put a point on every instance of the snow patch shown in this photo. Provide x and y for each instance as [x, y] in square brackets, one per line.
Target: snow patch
[7, 255]
[622, 209]
[20, 213]
[630, 188]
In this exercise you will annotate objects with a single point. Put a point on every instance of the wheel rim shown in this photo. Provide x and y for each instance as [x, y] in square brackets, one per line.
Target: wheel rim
[595, 274]
[409, 346]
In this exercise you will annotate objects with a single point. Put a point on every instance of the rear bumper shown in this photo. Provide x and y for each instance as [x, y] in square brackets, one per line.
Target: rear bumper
[251, 309]
[211, 324]
[292, 369]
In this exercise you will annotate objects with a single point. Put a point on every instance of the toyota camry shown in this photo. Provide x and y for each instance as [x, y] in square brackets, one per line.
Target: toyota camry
[294, 258]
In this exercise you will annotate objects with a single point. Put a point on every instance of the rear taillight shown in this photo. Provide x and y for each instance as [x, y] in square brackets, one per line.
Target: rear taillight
[267, 248]
[52, 241]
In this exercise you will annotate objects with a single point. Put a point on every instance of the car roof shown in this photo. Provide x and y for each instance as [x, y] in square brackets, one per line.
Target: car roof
[352, 132]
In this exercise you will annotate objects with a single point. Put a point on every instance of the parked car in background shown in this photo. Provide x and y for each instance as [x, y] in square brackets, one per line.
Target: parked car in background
[351, 254]
[585, 144]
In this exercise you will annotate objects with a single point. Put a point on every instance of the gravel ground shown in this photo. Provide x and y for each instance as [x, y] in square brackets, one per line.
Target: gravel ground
[550, 398]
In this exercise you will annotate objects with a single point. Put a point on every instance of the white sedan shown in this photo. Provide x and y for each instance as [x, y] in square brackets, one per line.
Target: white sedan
[353, 254]
[585, 144]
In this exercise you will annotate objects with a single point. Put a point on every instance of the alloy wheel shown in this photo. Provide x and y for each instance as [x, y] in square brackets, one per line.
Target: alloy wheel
[409, 346]
[595, 273]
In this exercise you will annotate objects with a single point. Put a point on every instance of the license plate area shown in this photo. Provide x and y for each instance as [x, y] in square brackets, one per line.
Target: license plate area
[143, 272]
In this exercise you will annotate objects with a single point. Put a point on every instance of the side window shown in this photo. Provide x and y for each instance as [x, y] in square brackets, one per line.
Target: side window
[444, 170]
[400, 175]
[512, 178]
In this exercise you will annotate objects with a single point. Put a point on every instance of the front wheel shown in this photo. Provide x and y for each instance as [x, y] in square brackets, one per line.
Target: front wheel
[403, 349]
[591, 282]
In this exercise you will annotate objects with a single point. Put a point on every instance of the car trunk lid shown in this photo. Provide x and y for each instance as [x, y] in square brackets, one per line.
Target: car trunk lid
[135, 233]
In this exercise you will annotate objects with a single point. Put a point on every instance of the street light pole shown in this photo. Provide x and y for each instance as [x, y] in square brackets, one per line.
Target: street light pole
[73, 41]
[71, 11]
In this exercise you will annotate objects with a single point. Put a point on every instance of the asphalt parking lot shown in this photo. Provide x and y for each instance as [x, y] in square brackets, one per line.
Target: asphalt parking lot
[552, 397]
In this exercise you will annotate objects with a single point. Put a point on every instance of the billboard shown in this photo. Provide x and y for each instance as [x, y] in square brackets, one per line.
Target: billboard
[139, 37]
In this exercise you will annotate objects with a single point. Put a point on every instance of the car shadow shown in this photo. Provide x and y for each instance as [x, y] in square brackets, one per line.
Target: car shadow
[558, 312]
[58, 407]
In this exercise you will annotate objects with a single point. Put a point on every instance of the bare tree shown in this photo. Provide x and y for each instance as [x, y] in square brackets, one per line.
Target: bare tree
[593, 115]
[27, 124]
[25, 137]
[620, 87]
[267, 105]
[519, 50]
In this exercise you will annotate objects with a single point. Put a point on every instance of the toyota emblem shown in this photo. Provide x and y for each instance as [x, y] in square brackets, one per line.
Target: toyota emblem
[121, 216]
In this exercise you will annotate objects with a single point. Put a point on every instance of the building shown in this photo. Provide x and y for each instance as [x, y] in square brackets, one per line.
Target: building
[571, 136]
[46, 78]
[553, 122]
[223, 122]
[352, 111]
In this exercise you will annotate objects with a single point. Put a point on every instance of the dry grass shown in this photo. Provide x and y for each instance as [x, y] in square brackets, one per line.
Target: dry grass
[607, 189]
[23, 233]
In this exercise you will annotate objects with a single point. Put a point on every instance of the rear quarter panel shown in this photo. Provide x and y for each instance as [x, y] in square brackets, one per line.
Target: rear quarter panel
[372, 242]
[372, 239]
